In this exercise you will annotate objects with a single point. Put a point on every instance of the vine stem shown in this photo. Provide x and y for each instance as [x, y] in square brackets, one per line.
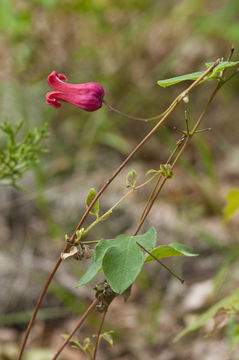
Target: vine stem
[158, 186]
[107, 183]
[80, 322]
[185, 144]
[30, 324]
[158, 181]
[228, 59]
[98, 335]
[157, 117]
[108, 212]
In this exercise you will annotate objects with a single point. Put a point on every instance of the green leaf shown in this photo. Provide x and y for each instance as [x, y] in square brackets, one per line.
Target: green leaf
[96, 207]
[232, 203]
[107, 337]
[233, 335]
[177, 79]
[193, 76]
[96, 264]
[201, 320]
[131, 179]
[148, 239]
[174, 249]
[121, 259]
[122, 263]
[222, 65]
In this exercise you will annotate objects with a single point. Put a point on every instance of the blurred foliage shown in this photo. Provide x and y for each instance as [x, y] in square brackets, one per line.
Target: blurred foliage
[88, 346]
[18, 157]
[17, 318]
[223, 312]
[232, 203]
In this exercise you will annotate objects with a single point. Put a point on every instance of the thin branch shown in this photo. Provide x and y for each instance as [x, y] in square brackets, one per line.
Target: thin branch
[166, 267]
[108, 212]
[158, 181]
[80, 322]
[157, 117]
[98, 335]
[146, 212]
[37, 307]
[158, 186]
[228, 59]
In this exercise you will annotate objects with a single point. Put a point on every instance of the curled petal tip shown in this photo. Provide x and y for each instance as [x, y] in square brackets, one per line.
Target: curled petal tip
[62, 77]
[55, 80]
[51, 99]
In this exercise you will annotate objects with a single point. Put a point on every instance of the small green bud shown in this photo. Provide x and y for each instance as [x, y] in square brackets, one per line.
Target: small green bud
[131, 179]
[96, 207]
[79, 235]
[166, 171]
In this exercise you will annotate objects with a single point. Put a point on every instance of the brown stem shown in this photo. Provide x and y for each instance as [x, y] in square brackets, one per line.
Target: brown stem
[171, 109]
[228, 59]
[98, 335]
[158, 187]
[158, 181]
[80, 322]
[37, 307]
[142, 220]
[156, 192]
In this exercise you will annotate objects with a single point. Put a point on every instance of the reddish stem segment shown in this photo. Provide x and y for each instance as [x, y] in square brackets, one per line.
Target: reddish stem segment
[37, 307]
[98, 335]
[80, 322]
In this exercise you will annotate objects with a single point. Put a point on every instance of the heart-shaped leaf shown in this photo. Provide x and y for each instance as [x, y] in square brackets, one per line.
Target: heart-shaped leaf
[121, 259]
[148, 239]
[122, 263]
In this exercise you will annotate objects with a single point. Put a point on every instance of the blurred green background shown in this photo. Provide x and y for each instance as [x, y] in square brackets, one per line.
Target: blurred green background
[126, 46]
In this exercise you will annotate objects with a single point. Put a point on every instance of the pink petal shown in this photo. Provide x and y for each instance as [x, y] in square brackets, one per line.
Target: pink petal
[85, 102]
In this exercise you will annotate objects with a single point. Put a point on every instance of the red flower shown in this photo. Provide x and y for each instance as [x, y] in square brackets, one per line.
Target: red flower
[88, 96]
